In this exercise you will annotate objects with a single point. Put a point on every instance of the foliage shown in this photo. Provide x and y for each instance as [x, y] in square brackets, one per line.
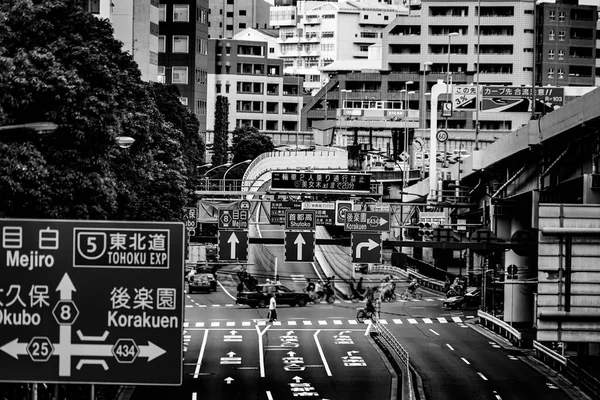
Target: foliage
[221, 131]
[63, 65]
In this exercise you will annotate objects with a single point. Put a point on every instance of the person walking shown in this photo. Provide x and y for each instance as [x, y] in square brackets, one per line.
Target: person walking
[272, 309]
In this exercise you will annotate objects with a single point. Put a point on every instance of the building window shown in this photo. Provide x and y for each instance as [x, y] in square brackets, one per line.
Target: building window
[561, 54]
[385, 17]
[363, 47]
[161, 74]
[552, 16]
[551, 35]
[242, 25]
[218, 88]
[528, 31]
[93, 6]
[561, 16]
[162, 44]
[242, 13]
[528, 50]
[229, 14]
[184, 100]
[550, 72]
[179, 75]
[180, 44]
[181, 13]
[365, 17]
[551, 54]
[561, 36]
[561, 73]
[162, 12]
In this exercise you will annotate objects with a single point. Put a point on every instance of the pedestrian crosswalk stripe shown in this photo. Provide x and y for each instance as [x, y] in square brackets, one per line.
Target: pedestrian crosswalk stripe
[189, 305]
[322, 322]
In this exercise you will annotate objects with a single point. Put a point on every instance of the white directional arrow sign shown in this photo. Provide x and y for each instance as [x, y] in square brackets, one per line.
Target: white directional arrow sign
[366, 248]
[299, 242]
[15, 348]
[66, 287]
[229, 380]
[370, 245]
[233, 240]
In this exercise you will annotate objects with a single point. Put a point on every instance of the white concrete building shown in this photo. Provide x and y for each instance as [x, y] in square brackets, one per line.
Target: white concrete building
[312, 34]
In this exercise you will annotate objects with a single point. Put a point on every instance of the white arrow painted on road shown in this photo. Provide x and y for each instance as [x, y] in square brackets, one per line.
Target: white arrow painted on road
[291, 353]
[15, 348]
[233, 240]
[299, 242]
[66, 288]
[370, 245]
[231, 354]
[232, 332]
[297, 379]
[229, 380]
[290, 333]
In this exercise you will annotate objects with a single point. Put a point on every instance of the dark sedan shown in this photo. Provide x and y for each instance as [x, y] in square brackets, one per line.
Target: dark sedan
[259, 297]
[471, 299]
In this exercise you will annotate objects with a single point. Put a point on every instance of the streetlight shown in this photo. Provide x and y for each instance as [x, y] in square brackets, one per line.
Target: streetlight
[423, 109]
[218, 166]
[41, 128]
[232, 167]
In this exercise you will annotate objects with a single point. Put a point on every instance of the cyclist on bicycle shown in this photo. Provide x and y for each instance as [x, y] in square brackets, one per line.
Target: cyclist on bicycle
[310, 288]
[413, 286]
[370, 307]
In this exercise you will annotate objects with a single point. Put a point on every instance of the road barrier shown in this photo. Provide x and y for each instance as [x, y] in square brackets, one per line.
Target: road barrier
[425, 281]
[500, 327]
[577, 376]
[400, 355]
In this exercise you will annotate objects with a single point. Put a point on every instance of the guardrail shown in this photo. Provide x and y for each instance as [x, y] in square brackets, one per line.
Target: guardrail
[400, 355]
[582, 379]
[387, 270]
[425, 281]
[500, 327]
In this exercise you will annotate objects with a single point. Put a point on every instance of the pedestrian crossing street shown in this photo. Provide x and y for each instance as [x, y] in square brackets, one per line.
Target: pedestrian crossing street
[337, 301]
[330, 322]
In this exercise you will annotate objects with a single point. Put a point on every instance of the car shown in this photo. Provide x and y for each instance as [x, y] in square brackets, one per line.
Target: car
[200, 282]
[471, 299]
[259, 297]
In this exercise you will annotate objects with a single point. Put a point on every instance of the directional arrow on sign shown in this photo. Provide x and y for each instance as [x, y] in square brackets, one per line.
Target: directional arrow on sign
[370, 245]
[15, 348]
[151, 351]
[233, 240]
[299, 242]
[229, 380]
[66, 287]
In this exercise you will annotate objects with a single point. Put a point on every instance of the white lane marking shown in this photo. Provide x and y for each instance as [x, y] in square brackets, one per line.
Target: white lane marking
[189, 306]
[269, 395]
[246, 323]
[450, 347]
[194, 396]
[261, 354]
[442, 320]
[201, 355]
[482, 376]
[383, 321]
[427, 320]
[321, 353]
[352, 322]
[434, 332]
[321, 322]
[199, 324]
[215, 324]
[397, 321]
[368, 328]
[456, 319]
[466, 362]
[337, 322]
[497, 395]
[307, 322]
[230, 323]
[412, 321]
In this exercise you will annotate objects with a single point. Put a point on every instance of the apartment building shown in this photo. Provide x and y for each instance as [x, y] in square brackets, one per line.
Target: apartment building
[135, 23]
[183, 52]
[259, 94]
[229, 17]
[313, 34]
[566, 44]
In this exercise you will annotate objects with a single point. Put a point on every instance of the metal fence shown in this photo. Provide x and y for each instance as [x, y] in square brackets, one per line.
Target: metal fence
[400, 354]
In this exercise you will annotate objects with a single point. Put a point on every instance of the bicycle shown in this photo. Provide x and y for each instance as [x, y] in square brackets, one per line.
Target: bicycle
[406, 294]
[363, 314]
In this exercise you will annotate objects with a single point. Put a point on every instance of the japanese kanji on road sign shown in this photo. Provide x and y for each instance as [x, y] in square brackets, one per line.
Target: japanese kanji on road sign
[91, 301]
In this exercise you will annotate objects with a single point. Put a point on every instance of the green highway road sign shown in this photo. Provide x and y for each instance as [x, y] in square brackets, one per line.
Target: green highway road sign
[366, 248]
[233, 219]
[321, 181]
[300, 219]
[91, 302]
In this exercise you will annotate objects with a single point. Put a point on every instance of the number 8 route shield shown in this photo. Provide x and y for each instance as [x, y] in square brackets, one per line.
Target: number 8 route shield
[91, 302]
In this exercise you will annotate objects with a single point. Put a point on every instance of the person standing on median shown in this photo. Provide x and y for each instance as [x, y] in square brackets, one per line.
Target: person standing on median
[272, 309]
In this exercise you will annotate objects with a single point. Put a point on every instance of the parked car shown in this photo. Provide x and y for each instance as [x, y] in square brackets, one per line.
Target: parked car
[259, 297]
[201, 283]
[469, 300]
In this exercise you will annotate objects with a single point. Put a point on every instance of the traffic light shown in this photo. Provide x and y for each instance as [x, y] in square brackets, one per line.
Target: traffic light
[426, 228]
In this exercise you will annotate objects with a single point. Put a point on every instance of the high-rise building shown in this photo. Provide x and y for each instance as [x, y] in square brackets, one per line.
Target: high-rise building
[135, 23]
[229, 17]
[566, 44]
[183, 51]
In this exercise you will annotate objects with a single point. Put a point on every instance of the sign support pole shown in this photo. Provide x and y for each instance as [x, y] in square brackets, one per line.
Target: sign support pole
[436, 90]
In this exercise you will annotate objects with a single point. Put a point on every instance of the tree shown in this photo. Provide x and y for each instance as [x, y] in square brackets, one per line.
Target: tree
[250, 145]
[241, 132]
[63, 65]
[221, 131]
